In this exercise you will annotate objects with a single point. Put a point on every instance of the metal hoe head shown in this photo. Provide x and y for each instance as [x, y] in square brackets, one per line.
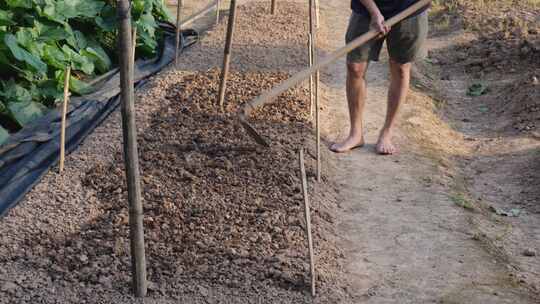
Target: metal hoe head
[252, 132]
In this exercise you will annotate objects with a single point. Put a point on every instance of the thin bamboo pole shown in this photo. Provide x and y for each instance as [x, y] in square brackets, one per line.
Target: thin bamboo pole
[131, 158]
[267, 96]
[273, 8]
[218, 5]
[311, 80]
[308, 221]
[318, 14]
[313, 39]
[178, 31]
[227, 54]
[64, 118]
[134, 43]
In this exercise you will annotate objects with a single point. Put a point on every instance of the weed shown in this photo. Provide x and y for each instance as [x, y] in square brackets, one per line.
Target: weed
[460, 200]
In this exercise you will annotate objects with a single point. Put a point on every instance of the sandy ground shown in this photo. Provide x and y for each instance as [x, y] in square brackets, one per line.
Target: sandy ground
[405, 240]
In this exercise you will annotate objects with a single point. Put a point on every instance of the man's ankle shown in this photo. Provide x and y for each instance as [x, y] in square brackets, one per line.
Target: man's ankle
[386, 132]
[356, 135]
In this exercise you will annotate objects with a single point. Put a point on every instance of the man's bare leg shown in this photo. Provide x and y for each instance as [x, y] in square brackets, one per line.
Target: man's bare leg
[400, 75]
[356, 98]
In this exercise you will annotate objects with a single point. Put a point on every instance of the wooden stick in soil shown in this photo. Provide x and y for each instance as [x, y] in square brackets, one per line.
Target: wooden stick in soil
[67, 76]
[313, 39]
[131, 157]
[308, 221]
[317, 14]
[267, 96]
[218, 5]
[311, 92]
[273, 8]
[227, 54]
[178, 31]
[134, 43]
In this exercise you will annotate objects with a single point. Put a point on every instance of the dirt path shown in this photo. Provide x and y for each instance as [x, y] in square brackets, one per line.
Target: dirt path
[405, 240]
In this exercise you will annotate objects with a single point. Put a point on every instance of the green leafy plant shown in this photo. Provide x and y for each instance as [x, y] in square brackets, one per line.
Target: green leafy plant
[40, 38]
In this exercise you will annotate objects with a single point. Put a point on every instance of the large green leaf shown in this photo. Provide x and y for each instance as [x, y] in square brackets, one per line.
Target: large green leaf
[15, 93]
[25, 112]
[138, 7]
[107, 19]
[52, 33]
[75, 85]
[4, 135]
[23, 55]
[79, 8]
[99, 57]
[49, 11]
[80, 40]
[79, 87]
[55, 57]
[6, 18]
[78, 61]
[50, 91]
[161, 11]
[19, 3]
[148, 23]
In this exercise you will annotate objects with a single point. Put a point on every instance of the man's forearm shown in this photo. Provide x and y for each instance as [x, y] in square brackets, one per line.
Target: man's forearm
[371, 7]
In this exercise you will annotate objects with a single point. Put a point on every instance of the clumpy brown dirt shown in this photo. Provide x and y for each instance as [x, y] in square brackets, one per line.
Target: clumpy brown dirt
[219, 208]
[261, 41]
[503, 55]
[499, 48]
[224, 217]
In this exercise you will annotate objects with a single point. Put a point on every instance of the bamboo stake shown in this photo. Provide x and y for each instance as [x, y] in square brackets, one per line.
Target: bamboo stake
[217, 11]
[311, 93]
[273, 9]
[317, 10]
[131, 158]
[308, 221]
[227, 54]
[311, 54]
[64, 117]
[178, 31]
[313, 39]
[134, 42]
[318, 125]
[267, 96]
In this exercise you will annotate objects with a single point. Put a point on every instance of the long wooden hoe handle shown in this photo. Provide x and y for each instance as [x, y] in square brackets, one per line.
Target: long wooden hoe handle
[266, 97]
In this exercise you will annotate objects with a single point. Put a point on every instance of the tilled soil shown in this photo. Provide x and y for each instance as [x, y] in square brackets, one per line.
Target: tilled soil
[218, 208]
[223, 216]
[261, 41]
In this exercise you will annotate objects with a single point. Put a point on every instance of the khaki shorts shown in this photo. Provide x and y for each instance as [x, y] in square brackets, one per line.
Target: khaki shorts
[405, 42]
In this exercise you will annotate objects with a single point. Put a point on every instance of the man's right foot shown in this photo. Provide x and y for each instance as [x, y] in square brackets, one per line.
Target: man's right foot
[347, 145]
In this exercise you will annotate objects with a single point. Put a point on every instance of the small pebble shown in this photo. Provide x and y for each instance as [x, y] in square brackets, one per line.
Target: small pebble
[529, 252]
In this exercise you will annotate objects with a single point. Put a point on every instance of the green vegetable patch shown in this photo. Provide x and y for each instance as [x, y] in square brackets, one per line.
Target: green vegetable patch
[39, 39]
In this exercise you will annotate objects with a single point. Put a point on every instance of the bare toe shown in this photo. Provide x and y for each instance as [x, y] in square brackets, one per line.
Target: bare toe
[385, 146]
[347, 145]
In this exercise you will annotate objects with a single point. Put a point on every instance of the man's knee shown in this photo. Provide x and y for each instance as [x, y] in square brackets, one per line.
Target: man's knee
[357, 70]
[400, 70]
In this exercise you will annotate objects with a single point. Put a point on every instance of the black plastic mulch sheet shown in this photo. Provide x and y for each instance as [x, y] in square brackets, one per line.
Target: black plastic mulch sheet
[31, 152]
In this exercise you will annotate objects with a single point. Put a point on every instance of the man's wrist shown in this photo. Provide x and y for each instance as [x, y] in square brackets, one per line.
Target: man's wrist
[375, 13]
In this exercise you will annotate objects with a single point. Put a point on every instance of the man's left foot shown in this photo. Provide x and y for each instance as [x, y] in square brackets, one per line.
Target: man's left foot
[385, 145]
